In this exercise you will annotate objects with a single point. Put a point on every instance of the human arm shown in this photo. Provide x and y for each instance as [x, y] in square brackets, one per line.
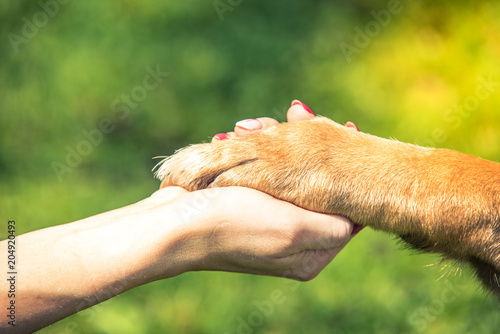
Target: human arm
[70, 267]
[67, 268]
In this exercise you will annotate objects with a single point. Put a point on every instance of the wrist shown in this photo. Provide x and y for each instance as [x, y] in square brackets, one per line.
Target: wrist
[135, 245]
[173, 234]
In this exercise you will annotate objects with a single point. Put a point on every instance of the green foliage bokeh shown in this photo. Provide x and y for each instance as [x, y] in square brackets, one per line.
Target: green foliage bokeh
[415, 78]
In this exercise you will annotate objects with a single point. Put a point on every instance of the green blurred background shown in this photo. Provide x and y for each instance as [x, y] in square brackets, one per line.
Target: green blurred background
[426, 73]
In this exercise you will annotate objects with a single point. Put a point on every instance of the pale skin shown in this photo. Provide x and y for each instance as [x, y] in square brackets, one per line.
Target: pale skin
[70, 267]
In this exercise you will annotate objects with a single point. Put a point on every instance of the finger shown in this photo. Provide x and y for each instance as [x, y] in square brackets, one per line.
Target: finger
[351, 125]
[249, 127]
[299, 111]
[223, 136]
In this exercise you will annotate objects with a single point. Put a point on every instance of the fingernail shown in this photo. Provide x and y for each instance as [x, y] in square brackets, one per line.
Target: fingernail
[221, 136]
[250, 124]
[295, 102]
[356, 228]
[352, 125]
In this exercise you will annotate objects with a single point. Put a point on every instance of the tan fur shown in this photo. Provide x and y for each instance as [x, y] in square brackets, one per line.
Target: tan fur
[437, 200]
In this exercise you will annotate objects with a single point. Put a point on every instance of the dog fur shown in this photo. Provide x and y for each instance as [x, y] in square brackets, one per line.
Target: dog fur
[437, 200]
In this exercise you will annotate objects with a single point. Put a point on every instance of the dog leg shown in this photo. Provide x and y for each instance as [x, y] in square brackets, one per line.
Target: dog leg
[437, 200]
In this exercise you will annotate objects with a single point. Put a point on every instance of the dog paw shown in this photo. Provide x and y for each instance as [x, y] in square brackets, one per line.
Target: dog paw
[289, 161]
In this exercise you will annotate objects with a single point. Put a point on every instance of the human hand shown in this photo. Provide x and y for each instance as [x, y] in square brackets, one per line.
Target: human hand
[307, 242]
[243, 230]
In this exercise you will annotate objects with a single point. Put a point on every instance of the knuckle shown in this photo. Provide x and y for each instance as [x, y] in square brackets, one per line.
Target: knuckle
[306, 276]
